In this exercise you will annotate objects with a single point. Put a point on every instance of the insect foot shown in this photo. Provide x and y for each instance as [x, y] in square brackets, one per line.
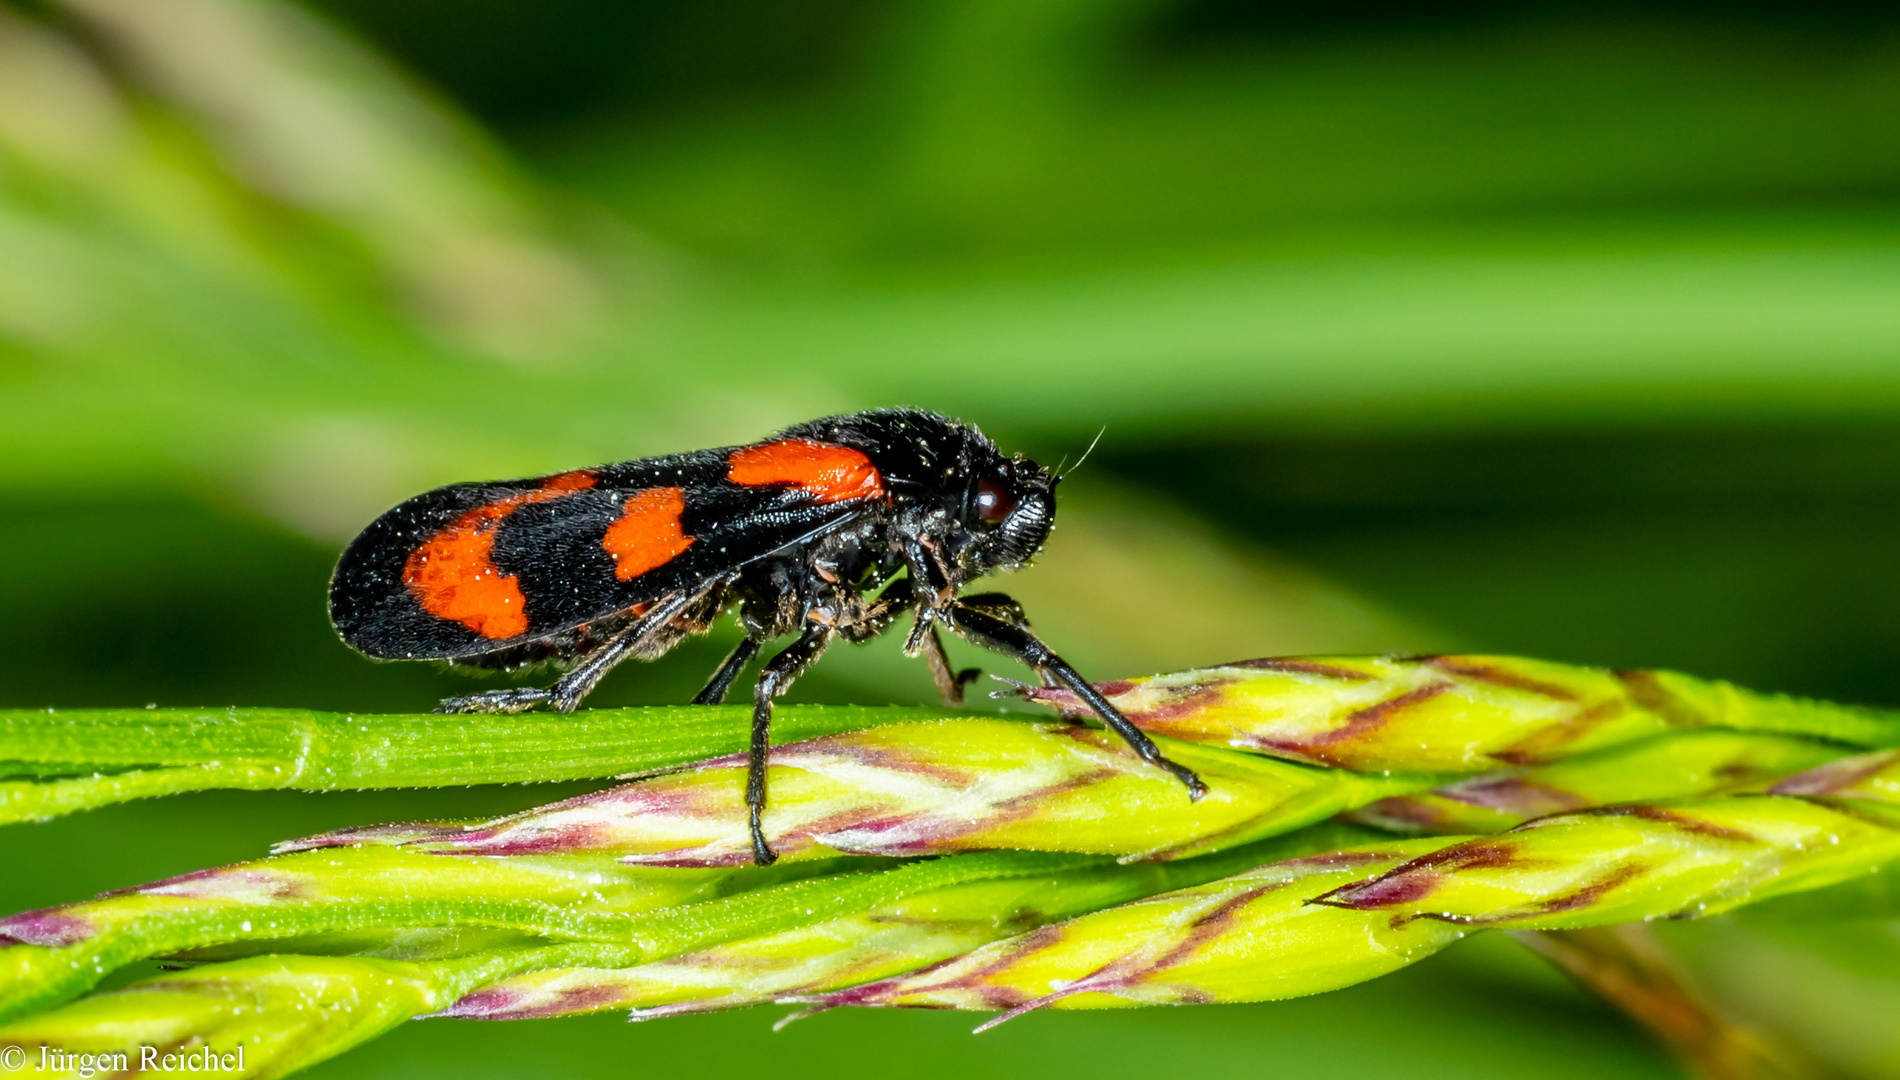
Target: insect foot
[496, 701]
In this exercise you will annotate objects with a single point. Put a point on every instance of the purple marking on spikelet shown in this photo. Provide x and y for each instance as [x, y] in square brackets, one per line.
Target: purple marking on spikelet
[47, 927]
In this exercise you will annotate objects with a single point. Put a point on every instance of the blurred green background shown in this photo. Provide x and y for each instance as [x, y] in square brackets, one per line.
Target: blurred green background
[1542, 327]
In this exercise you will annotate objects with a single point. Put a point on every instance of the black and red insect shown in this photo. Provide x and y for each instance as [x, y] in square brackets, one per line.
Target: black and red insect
[833, 528]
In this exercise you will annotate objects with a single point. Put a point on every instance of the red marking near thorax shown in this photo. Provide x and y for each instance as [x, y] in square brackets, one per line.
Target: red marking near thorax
[648, 534]
[453, 576]
[831, 473]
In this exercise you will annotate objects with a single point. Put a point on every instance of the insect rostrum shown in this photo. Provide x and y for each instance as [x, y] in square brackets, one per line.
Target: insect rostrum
[833, 528]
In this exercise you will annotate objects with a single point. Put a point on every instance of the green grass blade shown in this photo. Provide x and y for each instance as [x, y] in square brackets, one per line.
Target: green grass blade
[102, 756]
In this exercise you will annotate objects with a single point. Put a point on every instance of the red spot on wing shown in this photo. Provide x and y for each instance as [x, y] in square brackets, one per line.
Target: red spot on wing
[830, 473]
[453, 575]
[648, 534]
[565, 483]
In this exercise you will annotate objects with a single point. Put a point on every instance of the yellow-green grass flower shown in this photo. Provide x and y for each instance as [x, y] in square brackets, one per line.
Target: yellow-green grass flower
[1674, 765]
[1251, 937]
[926, 788]
[1322, 921]
[1450, 714]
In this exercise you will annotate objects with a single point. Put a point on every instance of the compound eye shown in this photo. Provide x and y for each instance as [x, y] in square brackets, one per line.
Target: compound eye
[994, 501]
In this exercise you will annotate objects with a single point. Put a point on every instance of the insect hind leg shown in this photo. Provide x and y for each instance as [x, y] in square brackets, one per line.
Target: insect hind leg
[497, 701]
[656, 630]
[563, 696]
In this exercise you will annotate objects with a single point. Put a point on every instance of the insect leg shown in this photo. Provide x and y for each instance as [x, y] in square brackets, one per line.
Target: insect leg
[923, 639]
[997, 605]
[927, 573]
[1003, 606]
[564, 695]
[950, 682]
[519, 699]
[773, 681]
[896, 598]
[735, 662]
[878, 615]
[1014, 639]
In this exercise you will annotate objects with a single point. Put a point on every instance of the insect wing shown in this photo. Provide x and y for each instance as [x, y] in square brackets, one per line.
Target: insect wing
[477, 568]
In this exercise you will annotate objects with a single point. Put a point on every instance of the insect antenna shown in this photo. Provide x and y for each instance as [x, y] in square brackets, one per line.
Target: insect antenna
[1063, 474]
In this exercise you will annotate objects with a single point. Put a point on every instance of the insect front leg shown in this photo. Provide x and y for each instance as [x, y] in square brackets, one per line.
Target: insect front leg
[1003, 606]
[774, 680]
[1006, 607]
[1014, 639]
